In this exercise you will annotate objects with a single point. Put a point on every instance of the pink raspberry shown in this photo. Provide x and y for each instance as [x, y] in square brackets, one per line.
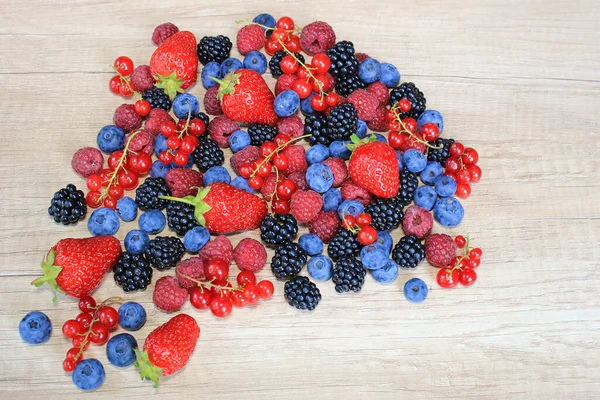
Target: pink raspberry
[184, 182]
[317, 37]
[220, 247]
[163, 32]
[248, 154]
[325, 225]
[87, 161]
[212, 105]
[380, 91]
[361, 56]
[250, 38]
[192, 267]
[285, 82]
[440, 250]
[417, 221]
[299, 178]
[168, 295]
[268, 187]
[351, 191]
[126, 118]
[141, 79]
[220, 128]
[305, 205]
[365, 103]
[411, 142]
[379, 123]
[338, 168]
[250, 255]
[156, 117]
[291, 126]
[142, 142]
[297, 157]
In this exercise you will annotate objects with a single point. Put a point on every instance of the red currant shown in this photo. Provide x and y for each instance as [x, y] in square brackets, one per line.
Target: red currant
[188, 144]
[285, 23]
[84, 318]
[430, 131]
[69, 365]
[463, 176]
[115, 84]
[72, 328]
[200, 298]
[267, 148]
[302, 88]
[452, 165]
[460, 241]
[395, 139]
[404, 105]
[72, 354]
[263, 168]
[272, 46]
[456, 149]
[281, 139]
[94, 182]
[92, 199]
[105, 174]
[332, 99]
[255, 182]
[173, 142]
[303, 73]
[322, 83]
[410, 124]
[197, 127]
[246, 278]
[143, 163]
[363, 219]
[181, 126]
[99, 333]
[168, 128]
[474, 262]
[80, 341]
[288, 65]
[116, 191]
[221, 307]
[470, 156]
[110, 202]
[246, 170]
[238, 299]
[390, 115]
[165, 157]
[348, 221]
[124, 65]
[318, 103]
[321, 63]
[125, 90]
[463, 190]
[447, 278]
[216, 269]
[280, 206]
[108, 316]
[293, 44]
[285, 189]
[475, 253]
[367, 235]
[475, 172]
[279, 34]
[281, 161]
[180, 159]
[393, 125]
[251, 294]
[142, 107]
[266, 289]
[467, 276]
[128, 179]
[114, 159]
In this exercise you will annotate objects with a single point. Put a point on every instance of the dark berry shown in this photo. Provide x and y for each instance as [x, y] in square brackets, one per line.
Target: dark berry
[213, 48]
[277, 229]
[132, 272]
[207, 154]
[316, 127]
[180, 217]
[68, 205]
[440, 155]
[408, 185]
[203, 117]
[345, 85]
[343, 244]
[147, 194]
[342, 122]
[288, 260]
[409, 91]
[164, 252]
[348, 275]
[301, 293]
[157, 98]
[260, 133]
[408, 252]
[386, 214]
[343, 61]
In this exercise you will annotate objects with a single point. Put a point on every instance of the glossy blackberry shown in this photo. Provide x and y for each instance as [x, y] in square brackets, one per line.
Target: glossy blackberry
[180, 217]
[288, 260]
[343, 61]
[146, 195]
[260, 133]
[277, 229]
[408, 184]
[68, 205]
[213, 48]
[157, 98]
[342, 121]
[343, 244]
[203, 117]
[207, 154]
[275, 62]
[348, 275]
[408, 252]
[409, 91]
[301, 293]
[132, 272]
[316, 127]
[386, 214]
[345, 85]
[440, 155]
[164, 252]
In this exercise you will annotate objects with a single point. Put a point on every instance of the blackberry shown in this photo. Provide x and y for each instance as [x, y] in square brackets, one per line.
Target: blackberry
[132, 271]
[386, 214]
[408, 252]
[316, 127]
[408, 185]
[277, 229]
[146, 195]
[203, 117]
[343, 61]
[343, 244]
[342, 121]
[180, 217]
[440, 155]
[409, 91]
[348, 275]
[164, 252]
[213, 48]
[207, 154]
[275, 62]
[301, 293]
[345, 85]
[288, 260]
[157, 98]
[68, 205]
[260, 133]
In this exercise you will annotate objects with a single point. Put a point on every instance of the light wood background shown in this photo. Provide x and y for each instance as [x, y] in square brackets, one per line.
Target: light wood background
[517, 80]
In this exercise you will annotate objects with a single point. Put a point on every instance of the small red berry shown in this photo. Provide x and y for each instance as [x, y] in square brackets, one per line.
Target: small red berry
[318, 103]
[281, 206]
[475, 172]
[393, 125]
[452, 165]
[255, 182]
[180, 159]
[173, 142]
[473, 262]
[125, 90]
[124, 65]
[321, 63]
[395, 139]
[94, 182]
[390, 115]
[246, 278]
[288, 65]
[142, 107]
[285, 189]
[200, 298]
[321, 83]
[279, 34]
[363, 219]
[281, 139]
[141, 164]
[467, 276]
[72, 328]
[108, 316]
[110, 202]
[84, 318]
[348, 221]
[281, 161]
[72, 353]
[188, 144]
[460, 241]
[272, 46]
[463, 176]
[216, 269]
[69, 365]
[238, 299]
[115, 84]
[475, 253]
[80, 341]
[332, 99]
[116, 191]
[246, 170]
[165, 157]
[410, 124]
[197, 127]
[293, 44]
[463, 190]
[99, 333]
[447, 278]
[456, 149]
[221, 307]
[263, 169]
[114, 159]
[470, 156]
[302, 88]
[285, 23]
[430, 131]
[404, 105]
[251, 294]
[367, 235]
[92, 199]
[168, 128]
[266, 289]
[267, 148]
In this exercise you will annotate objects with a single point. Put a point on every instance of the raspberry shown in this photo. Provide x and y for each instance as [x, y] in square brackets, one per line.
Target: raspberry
[411, 142]
[285, 82]
[126, 118]
[325, 225]
[142, 142]
[380, 91]
[338, 168]
[351, 191]
[417, 221]
[141, 79]
[440, 250]
[250, 255]
[291, 126]
[248, 154]
[220, 247]
[297, 157]
[305, 205]
[317, 37]
[184, 182]
[268, 187]
[299, 178]
[163, 32]
[192, 267]
[361, 56]
[168, 295]
[365, 103]
[220, 128]
[156, 117]
[87, 161]
[378, 123]
[212, 105]
[250, 38]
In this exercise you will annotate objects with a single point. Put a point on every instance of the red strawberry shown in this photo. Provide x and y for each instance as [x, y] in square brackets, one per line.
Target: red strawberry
[76, 266]
[174, 64]
[168, 348]
[245, 97]
[374, 166]
[222, 208]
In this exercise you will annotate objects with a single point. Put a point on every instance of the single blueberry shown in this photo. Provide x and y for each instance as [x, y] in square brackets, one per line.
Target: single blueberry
[339, 149]
[385, 239]
[425, 196]
[111, 138]
[160, 143]
[390, 76]
[152, 221]
[185, 104]
[361, 129]
[127, 209]
[286, 103]
[431, 116]
[317, 153]
[120, 350]
[445, 186]
[415, 160]
[448, 211]
[350, 207]
[311, 244]
[256, 61]
[103, 222]
[332, 199]
[320, 267]
[212, 69]
[241, 184]
[238, 140]
[159, 170]
[374, 256]
[136, 241]
[369, 70]
[400, 160]
[387, 274]
[265, 20]
[132, 316]
[230, 65]
[306, 107]
[380, 138]
[88, 374]
[431, 172]
[415, 290]
[319, 177]
[35, 327]
[216, 174]
[196, 238]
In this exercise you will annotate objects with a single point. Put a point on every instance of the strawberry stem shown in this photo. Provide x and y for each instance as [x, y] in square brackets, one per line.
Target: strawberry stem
[147, 370]
[200, 207]
[51, 272]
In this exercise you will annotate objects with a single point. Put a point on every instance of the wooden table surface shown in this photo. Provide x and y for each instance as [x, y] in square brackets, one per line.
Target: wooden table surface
[517, 80]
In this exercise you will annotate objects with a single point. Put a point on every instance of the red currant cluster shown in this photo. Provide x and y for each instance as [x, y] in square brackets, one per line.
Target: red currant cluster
[120, 84]
[182, 140]
[464, 267]
[92, 325]
[404, 134]
[361, 225]
[284, 34]
[462, 166]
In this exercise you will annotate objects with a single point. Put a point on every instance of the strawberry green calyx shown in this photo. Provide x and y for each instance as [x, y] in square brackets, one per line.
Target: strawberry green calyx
[227, 84]
[355, 141]
[51, 272]
[147, 370]
[200, 207]
[171, 84]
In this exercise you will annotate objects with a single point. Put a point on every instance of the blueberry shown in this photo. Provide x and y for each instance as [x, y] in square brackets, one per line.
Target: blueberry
[212, 69]
[350, 207]
[385, 239]
[380, 138]
[369, 70]
[152, 221]
[241, 184]
[88, 374]
[311, 244]
[425, 196]
[338, 149]
[332, 199]
[415, 160]
[119, 350]
[185, 104]
[230, 65]
[415, 290]
[361, 129]
[159, 170]
[431, 172]
[265, 20]
[196, 238]
[387, 274]
[132, 316]
[448, 211]
[256, 61]
[390, 76]
[160, 143]
[445, 186]
[374, 256]
[286, 103]
[317, 153]
[431, 116]
[35, 328]
[216, 174]
[103, 222]
[319, 177]
[305, 105]
[111, 138]
[320, 267]
[400, 160]
[136, 241]
[238, 140]
[126, 209]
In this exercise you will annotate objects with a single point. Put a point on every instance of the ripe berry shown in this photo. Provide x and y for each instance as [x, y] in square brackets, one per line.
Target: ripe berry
[463, 176]
[285, 189]
[470, 156]
[293, 44]
[267, 148]
[180, 159]
[92, 199]
[281, 161]
[288, 65]
[285, 23]
[281, 139]
[348, 221]
[452, 165]
[390, 115]
[263, 168]
[279, 34]
[140, 163]
[475, 253]
[114, 159]
[363, 219]
[367, 235]
[87, 304]
[165, 157]
[80, 341]
[142, 107]
[473, 263]
[272, 46]
[456, 149]
[447, 278]
[321, 83]
[69, 365]
[200, 298]
[72, 353]
[467, 276]
[124, 65]
[168, 128]
[84, 318]
[197, 127]
[188, 144]
[72, 328]
[125, 90]
[108, 316]
[216, 269]
[238, 299]
[251, 294]
[463, 190]
[318, 102]
[173, 142]
[393, 125]
[110, 202]
[475, 172]
[246, 278]
[94, 182]
[404, 105]
[410, 124]
[280, 206]
[430, 131]
[246, 170]
[332, 99]
[115, 84]
[255, 182]
[460, 241]
[302, 88]
[127, 179]
[221, 307]
[321, 63]
[99, 333]
[266, 289]
[395, 139]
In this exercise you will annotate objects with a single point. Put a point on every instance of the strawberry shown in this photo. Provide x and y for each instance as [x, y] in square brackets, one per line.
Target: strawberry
[76, 266]
[374, 166]
[222, 208]
[168, 348]
[245, 97]
[174, 64]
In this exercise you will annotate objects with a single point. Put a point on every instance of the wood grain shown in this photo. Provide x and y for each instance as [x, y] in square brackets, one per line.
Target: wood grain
[519, 81]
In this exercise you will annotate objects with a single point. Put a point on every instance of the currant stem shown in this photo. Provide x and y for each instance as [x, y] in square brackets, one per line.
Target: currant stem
[210, 284]
[277, 150]
[394, 109]
[300, 63]
[124, 79]
[115, 173]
